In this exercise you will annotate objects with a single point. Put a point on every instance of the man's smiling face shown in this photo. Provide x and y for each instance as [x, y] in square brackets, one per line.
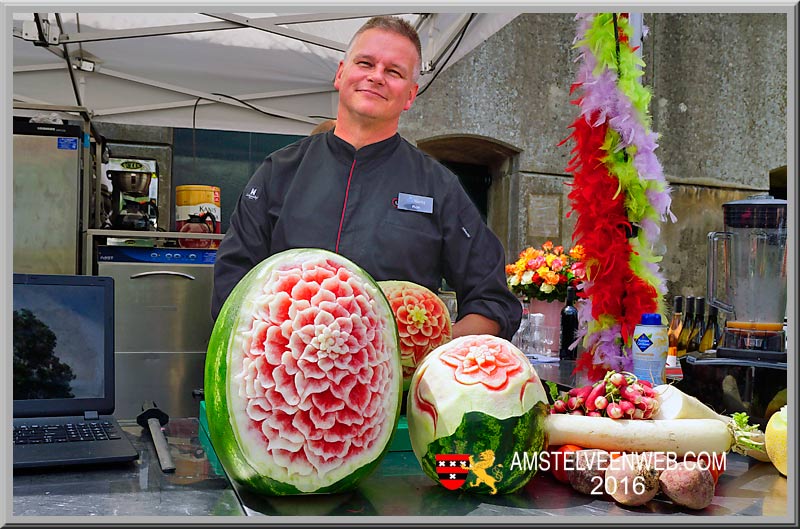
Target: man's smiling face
[376, 79]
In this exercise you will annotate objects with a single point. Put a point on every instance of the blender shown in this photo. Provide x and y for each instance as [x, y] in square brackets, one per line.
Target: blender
[747, 278]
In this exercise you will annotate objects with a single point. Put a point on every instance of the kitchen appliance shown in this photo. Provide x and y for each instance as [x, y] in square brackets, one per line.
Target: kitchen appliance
[46, 197]
[163, 324]
[198, 224]
[199, 200]
[747, 279]
[134, 194]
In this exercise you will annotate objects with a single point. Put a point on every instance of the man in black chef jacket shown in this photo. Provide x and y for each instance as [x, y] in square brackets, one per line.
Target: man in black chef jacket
[364, 192]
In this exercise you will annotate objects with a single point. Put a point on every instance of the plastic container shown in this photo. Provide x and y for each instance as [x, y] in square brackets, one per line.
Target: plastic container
[650, 344]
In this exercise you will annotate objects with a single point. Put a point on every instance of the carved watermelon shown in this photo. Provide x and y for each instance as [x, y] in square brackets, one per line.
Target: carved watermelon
[477, 396]
[303, 379]
[423, 322]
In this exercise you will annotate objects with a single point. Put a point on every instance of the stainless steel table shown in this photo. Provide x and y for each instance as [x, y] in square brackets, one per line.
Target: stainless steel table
[397, 488]
[197, 488]
[561, 373]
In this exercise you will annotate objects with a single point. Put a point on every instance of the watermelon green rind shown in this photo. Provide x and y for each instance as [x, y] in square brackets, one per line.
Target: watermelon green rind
[476, 394]
[433, 385]
[508, 438]
[248, 469]
[220, 430]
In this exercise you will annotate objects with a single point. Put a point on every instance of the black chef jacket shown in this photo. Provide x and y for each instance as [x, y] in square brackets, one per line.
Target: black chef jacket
[320, 192]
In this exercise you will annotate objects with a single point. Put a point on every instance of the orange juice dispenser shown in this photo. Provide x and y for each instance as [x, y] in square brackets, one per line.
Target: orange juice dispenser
[747, 278]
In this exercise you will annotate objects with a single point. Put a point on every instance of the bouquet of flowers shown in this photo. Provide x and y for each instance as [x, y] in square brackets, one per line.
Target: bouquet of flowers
[545, 273]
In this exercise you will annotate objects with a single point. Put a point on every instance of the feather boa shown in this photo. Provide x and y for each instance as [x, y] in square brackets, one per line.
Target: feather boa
[618, 192]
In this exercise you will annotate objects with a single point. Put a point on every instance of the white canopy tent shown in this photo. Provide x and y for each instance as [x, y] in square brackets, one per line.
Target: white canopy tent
[258, 72]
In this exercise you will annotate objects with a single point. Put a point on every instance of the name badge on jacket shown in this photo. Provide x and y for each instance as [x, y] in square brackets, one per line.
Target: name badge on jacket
[414, 203]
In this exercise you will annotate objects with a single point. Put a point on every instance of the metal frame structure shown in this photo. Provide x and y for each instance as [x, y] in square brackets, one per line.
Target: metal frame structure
[438, 31]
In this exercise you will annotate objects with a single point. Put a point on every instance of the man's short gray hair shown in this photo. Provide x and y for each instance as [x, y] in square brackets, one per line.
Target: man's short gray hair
[395, 25]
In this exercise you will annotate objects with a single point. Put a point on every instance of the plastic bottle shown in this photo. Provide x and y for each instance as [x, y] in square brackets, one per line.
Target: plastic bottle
[674, 331]
[688, 318]
[569, 327]
[698, 325]
[650, 343]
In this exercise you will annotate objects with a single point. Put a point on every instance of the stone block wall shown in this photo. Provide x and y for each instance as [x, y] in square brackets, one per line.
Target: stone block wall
[719, 84]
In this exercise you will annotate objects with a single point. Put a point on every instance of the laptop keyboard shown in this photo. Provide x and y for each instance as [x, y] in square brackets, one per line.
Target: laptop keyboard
[65, 433]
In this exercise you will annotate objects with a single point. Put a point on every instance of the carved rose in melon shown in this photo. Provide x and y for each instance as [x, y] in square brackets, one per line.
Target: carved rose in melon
[303, 378]
[423, 322]
[478, 396]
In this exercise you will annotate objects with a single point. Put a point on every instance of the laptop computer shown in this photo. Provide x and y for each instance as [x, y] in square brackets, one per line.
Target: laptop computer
[64, 372]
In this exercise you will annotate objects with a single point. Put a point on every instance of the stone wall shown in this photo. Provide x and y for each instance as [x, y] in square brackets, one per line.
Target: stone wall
[719, 84]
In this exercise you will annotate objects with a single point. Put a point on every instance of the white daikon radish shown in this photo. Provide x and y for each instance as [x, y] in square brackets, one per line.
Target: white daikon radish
[758, 453]
[675, 404]
[679, 436]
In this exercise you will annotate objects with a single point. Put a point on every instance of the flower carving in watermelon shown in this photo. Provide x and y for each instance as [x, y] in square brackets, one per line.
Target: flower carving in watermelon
[303, 379]
[423, 322]
[478, 396]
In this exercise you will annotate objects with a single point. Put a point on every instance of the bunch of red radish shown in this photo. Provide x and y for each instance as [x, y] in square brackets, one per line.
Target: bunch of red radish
[620, 395]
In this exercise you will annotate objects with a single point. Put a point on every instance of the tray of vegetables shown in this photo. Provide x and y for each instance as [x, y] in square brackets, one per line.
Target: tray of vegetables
[624, 438]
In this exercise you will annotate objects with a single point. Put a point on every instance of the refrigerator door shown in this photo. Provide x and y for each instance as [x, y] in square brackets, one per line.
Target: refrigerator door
[46, 202]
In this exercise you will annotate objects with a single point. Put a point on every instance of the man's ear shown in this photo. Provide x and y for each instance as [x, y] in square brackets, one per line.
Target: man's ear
[412, 95]
[338, 77]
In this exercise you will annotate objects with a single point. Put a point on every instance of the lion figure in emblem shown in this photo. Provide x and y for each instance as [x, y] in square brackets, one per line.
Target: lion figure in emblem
[480, 470]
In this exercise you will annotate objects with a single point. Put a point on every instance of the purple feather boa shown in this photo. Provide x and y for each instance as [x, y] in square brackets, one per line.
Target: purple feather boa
[602, 101]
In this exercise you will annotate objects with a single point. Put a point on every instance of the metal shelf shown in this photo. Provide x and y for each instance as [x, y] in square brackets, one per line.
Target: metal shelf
[735, 362]
[93, 234]
[129, 234]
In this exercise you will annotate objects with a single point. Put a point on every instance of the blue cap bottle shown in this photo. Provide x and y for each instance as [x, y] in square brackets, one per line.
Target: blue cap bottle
[649, 349]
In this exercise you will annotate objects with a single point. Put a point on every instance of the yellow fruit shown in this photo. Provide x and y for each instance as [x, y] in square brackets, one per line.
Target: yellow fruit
[775, 440]
[776, 403]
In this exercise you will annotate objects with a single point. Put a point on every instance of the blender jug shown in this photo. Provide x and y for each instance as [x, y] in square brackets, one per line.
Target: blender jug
[753, 282]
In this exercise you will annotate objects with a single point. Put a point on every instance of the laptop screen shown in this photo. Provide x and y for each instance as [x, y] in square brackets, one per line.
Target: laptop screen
[63, 345]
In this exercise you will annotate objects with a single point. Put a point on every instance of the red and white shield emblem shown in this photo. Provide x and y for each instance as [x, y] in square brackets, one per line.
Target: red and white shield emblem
[452, 469]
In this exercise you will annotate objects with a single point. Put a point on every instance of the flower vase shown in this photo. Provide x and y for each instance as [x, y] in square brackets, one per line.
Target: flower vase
[550, 309]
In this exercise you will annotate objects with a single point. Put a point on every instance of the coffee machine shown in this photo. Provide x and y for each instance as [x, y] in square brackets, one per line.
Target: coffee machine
[747, 267]
[134, 193]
